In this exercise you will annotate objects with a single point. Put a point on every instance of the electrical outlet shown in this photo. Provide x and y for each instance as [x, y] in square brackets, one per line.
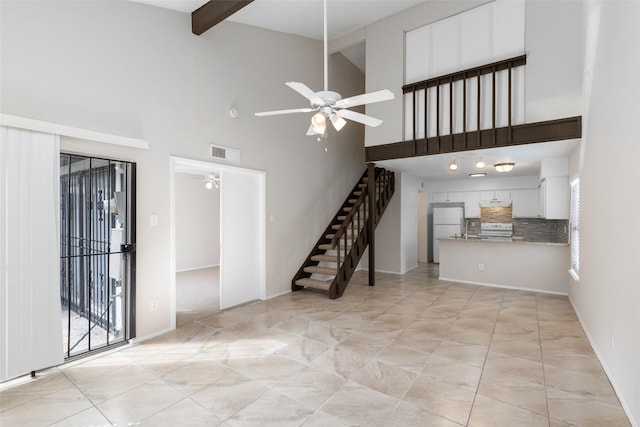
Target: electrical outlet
[481, 267]
[154, 305]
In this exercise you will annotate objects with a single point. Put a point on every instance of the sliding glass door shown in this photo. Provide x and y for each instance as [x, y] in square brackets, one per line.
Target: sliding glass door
[97, 253]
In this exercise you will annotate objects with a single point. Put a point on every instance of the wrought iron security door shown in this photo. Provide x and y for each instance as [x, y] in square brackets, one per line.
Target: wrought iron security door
[97, 252]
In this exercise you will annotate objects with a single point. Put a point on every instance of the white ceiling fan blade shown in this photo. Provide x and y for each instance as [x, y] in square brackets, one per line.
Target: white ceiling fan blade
[365, 98]
[304, 90]
[360, 118]
[294, 110]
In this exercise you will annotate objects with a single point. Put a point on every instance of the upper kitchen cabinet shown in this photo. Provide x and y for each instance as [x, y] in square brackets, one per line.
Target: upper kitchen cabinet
[456, 196]
[496, 195]
[554, 197]
[472, 204]
[525, 203]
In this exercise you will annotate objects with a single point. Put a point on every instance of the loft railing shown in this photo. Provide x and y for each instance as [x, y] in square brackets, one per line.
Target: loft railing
[469, 109]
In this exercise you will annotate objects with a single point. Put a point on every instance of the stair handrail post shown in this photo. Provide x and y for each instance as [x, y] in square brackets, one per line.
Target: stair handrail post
[371, 183]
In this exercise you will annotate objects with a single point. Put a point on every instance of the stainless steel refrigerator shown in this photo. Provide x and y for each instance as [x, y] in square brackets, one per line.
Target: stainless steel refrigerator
[447, 222]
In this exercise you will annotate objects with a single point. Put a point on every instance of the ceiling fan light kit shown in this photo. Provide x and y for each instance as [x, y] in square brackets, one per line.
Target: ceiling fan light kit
[504, 167]
[329, 105]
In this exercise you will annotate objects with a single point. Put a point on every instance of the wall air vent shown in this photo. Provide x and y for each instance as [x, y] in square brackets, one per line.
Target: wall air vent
[224, 153]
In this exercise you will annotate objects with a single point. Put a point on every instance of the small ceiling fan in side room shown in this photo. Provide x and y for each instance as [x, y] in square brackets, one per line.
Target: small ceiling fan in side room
[211, 180]
[329, 105]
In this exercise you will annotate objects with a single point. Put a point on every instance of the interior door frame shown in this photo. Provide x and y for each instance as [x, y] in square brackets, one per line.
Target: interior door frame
[185, 165]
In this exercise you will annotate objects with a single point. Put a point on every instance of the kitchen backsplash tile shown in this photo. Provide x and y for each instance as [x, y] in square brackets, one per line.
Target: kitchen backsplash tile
[530, 229]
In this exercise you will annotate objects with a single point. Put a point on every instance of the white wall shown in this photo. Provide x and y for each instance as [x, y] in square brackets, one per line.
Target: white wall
[138, 71]
[607, 296]
[197, 223]
[423, 227]
[409, 224]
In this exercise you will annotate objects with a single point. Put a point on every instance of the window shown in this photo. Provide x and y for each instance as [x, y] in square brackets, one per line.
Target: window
[574, 223]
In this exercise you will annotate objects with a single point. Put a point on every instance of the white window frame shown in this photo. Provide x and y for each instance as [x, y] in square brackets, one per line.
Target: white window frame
[574, 229]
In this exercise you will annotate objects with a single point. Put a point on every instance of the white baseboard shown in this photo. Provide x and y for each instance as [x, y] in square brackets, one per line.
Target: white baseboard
[137, 340]
[278, 294]
[197, 268]
[493, 285]
[607, 371]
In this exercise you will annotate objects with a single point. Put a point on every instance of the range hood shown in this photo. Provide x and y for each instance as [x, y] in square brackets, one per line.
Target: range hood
[495, 203]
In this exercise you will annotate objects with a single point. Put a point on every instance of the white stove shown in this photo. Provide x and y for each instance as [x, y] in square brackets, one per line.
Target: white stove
[496, 230]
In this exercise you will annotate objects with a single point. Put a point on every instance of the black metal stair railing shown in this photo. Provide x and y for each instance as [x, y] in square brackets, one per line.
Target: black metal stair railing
[348, 234]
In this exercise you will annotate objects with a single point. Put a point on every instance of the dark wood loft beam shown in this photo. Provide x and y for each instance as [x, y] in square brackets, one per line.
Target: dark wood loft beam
[529, 133]
[214, 12]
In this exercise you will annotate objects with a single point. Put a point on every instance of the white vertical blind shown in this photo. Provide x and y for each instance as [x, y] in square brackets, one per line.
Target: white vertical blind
[575, 227]
[30, 325]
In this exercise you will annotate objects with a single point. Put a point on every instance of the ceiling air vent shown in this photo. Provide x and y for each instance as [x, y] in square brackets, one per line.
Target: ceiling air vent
[224, 153]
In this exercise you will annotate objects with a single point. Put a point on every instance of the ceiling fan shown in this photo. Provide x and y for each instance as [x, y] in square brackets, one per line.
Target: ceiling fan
[211, 180]
[329, 105]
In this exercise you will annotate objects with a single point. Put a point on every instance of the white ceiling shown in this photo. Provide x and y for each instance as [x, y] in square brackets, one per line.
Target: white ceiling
[526, 157]
[303, 17]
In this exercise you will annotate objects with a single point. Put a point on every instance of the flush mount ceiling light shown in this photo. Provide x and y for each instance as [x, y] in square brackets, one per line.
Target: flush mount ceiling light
[453, 166]
[478, 174]
[504, 167]
[480, 164]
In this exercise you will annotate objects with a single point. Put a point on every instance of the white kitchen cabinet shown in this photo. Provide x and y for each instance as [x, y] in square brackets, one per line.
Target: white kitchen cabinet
[472, 204]
[554, 197]
[525, 203]
[456, 196]
[495, 195]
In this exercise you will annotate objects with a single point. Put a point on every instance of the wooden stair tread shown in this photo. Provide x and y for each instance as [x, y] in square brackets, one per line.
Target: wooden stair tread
[321, 270]
[349, 234]
[325, 258]
[327, 247]
[313, 283]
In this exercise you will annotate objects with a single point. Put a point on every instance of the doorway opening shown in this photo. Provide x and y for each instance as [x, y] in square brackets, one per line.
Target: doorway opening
[97, 253]
[197, 222]
[241, 241]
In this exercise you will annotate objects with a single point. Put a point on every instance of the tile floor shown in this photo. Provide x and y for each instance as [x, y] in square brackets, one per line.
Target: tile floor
[411, 351]
[197, 294]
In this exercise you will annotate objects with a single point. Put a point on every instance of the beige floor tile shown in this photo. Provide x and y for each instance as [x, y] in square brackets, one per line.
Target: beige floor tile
[499, 366]
[520, 349]
[580, 362]
[266, 366]
[579, 411]
[46, 410]
[301, 349]
[310, 386]
[196, 375]
[404, 357]
[589, 386]
[452, 372]
[469, 336]
[105, 386]
[366, 345]
[272, 409]
[524, 394]
[88, 417]
[385, 378]
[445, 400]
[409, 415]
[318, 419]
[489, 412]
[230, 394]
[341, 362]
[185, 413]
[473, 355]
[356, 404]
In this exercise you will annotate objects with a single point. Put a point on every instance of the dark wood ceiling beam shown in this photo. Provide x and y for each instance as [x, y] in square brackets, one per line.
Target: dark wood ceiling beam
[214, 12]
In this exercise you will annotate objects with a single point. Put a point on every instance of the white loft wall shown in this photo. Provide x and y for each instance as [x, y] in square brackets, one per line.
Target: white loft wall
[553, 74]
[607, 297]
[197, 223]
[138, 71]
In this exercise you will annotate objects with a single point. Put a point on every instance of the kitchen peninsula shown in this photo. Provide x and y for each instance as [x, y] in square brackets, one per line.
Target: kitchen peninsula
[515, 264]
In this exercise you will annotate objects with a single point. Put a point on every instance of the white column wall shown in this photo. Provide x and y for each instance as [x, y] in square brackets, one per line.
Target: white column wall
[607, 296]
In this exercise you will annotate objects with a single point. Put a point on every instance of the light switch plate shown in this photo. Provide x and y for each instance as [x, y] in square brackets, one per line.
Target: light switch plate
[153, 220]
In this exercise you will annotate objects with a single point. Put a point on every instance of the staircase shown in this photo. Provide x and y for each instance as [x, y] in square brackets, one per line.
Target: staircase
[334, 257]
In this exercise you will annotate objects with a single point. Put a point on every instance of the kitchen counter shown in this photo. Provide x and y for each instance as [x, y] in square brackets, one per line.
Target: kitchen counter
[515, 240]
[517, 264]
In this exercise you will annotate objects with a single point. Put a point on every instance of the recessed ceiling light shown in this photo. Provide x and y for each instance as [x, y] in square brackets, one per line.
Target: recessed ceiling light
[474, 175]
[480, 164]
[504, 167]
